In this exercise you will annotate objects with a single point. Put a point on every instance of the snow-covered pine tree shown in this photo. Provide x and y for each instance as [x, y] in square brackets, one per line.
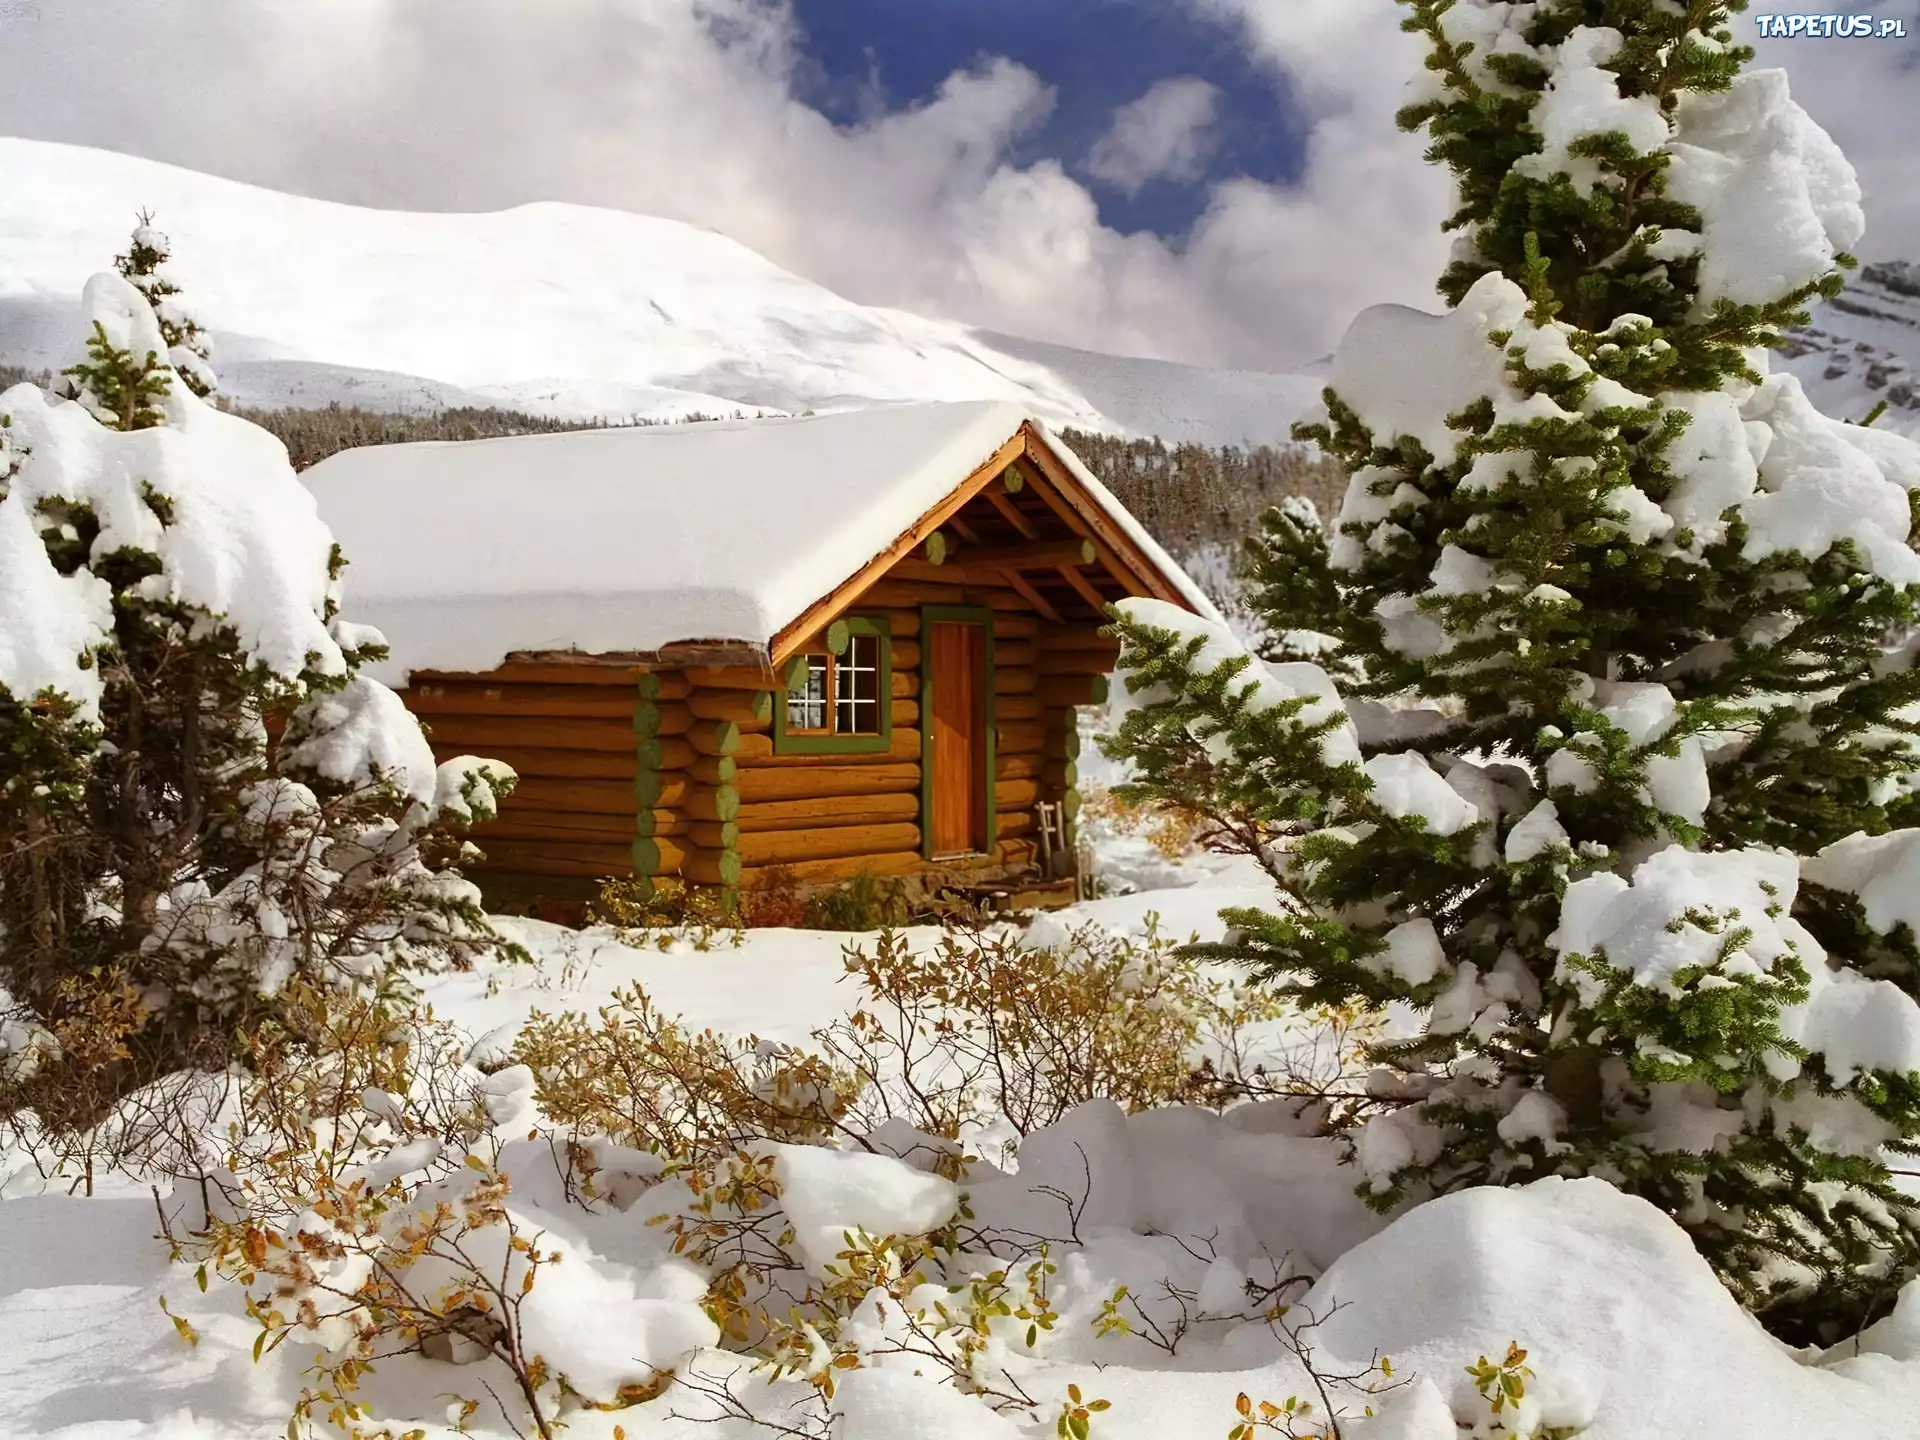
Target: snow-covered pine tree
[202, 800]
[144, 266]
[1623, 802]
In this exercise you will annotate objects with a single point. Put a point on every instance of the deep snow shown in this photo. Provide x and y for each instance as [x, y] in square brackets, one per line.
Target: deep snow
[1628, 1332]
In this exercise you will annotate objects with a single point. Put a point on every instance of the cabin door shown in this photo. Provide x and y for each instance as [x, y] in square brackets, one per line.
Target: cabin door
[957, 662]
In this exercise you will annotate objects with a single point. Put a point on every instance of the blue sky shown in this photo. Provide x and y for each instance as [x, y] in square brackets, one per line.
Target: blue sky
[1096, 54]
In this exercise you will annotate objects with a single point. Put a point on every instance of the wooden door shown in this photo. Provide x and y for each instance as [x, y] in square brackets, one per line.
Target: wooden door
[958, 784]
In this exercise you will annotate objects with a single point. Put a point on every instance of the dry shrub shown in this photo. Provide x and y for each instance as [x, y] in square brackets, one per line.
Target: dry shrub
[776, 901]
[952, 1303]
[362, 1208]
[950, 1040]
[978, 1031]
[362, 1201]
[660, 914]
[645, 1080]
[866, 902]
[1173, 830]
[984, 1027]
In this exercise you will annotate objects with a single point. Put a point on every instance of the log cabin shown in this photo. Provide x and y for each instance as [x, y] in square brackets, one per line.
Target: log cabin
[817, 647]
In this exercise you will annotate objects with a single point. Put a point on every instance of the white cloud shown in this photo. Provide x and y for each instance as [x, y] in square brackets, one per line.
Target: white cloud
[688, 108]
[1163, 135]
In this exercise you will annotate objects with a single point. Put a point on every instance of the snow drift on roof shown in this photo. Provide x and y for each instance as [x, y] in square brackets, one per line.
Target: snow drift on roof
[636, 539]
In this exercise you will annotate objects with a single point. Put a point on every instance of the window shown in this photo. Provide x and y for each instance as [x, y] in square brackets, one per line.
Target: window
[856, 688]
[843, 703]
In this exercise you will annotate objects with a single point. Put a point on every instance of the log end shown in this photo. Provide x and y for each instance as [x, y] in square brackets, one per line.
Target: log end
[712, 867]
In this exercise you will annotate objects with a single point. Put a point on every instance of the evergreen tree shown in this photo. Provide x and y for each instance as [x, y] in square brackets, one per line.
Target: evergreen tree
[1621, 794]
[144, 266]
[203, 802]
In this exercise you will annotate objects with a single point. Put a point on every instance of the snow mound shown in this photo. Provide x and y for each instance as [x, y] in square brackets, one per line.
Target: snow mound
[1627, 1328]
[1403, 371]
[829, 1194]
[1777, 198]
[1249, 1182]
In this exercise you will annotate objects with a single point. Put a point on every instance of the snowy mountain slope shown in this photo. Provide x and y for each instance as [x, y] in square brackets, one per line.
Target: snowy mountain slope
[559, 309]
[1865, 347]
[1178, 402]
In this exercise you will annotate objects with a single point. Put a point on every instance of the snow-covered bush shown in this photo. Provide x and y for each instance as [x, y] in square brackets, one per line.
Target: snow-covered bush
[145, 267]
[366, 1204]
[203, 800]
[380, 1204]
[1619, 800]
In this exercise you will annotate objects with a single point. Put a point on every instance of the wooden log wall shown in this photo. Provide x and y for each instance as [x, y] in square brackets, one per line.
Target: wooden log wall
[827, 818]
[699, 805]
[569, 732]
[672, 773]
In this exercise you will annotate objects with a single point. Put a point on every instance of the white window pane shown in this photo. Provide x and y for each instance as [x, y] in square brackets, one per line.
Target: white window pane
[807, 706]
[857, 687]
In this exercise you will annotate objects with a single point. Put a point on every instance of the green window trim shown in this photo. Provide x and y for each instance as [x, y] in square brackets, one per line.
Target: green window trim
[968, 615]
[807, 743]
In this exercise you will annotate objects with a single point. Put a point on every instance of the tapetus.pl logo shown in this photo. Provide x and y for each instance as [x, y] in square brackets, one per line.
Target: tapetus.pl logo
[1829, 27]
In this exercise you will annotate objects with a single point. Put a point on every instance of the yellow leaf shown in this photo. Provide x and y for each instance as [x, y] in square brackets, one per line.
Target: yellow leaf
[187, 1332]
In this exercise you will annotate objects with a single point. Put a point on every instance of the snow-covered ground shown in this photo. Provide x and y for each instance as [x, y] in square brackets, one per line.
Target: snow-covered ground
[552, 308]
[1628, 1334]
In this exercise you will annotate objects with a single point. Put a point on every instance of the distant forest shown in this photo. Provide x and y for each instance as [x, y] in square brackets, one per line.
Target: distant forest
[1190, 497]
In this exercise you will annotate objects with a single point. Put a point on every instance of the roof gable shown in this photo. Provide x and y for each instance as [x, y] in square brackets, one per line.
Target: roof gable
[1058, 500]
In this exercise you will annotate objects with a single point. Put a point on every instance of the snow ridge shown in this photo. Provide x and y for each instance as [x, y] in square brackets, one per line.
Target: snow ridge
[556, 309]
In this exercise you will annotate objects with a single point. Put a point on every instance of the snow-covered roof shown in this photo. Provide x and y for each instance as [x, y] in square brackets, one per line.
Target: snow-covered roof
[636, 539]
